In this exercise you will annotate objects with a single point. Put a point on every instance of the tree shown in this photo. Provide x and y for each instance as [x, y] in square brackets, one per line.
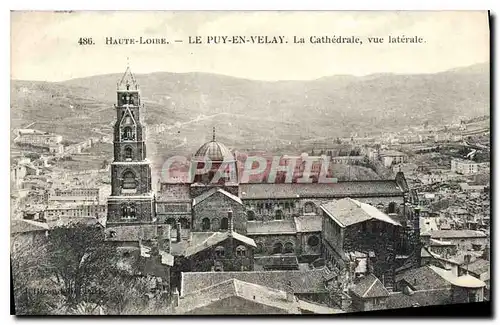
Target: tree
[78, 262]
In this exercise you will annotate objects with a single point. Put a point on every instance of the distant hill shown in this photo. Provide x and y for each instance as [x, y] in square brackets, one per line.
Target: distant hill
[255, 114]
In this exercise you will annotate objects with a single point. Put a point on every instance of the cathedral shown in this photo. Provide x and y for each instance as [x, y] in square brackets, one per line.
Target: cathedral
[227, 225]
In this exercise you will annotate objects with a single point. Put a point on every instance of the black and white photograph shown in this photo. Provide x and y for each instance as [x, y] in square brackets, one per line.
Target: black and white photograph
[249, 162]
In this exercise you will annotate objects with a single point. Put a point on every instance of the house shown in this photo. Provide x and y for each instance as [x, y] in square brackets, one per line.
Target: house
[393, 157]
[464, 239]
[352, 226]
[368, 293]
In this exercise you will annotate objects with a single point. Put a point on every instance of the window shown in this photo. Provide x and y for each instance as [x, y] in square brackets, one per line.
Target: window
[278, 215]
[241, 250]
[219, 251]
[288, 248]
[391, 208]
[277, 248]
[128, 212]
[129, 181]
[309, 207]
[128, 154]
[205, 224]
[128, 134]
[250, 215]
[112, 234]
[185, 223]
[260, 248]
[126, 254]
[313, 241]
[224, 224]
[170, 221]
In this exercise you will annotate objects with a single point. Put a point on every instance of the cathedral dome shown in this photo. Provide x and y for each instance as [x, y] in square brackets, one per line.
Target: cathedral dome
[213, 150]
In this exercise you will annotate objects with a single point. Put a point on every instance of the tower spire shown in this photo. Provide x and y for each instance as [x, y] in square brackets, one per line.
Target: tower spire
[213, 134]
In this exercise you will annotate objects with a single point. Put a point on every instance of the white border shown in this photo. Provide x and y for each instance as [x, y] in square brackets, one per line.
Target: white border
[197, 5]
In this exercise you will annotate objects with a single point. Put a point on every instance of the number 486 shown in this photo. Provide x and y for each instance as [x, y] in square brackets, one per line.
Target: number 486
[85, 41]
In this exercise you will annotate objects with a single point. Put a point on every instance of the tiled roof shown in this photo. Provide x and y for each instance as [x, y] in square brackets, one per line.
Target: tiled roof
[369, 287]
[318, 309]
[255, 293]
[348, 211]
[200, 198]
[422, 278]
[315, 190]
[215, 151]
[215, 238]
[23, 226]
[131, 233]
[479, 266]
[310, 281]
[465, 281]
[457, 234]
[419, 298]
[271, 227]
[311, 223]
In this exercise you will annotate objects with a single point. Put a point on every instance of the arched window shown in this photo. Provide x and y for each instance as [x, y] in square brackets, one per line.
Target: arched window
[313, 241]
[391, 208]
[128, 133]
[219, 251]
[309, 207]
[129, 181]
[288, 248]
[241, 250]
[205, 224]
[218, 266]
[128, 153]
[260, 248]
[224, 224]
[278, 215]
[170, 221]
[277, 248]
[250, 215]
[128, 212]
[185, 223]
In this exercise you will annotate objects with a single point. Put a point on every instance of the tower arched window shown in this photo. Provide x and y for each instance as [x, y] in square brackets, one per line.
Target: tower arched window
[128, 133]
[250, 215]
[288, 248]
[277, 248]
[241, 250]
[185, 223]
[205, 224]
[128, 212]
[128, 153]
[224, 224]
[129, 181]
[278, 215]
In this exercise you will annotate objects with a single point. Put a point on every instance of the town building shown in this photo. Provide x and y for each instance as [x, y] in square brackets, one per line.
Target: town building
[464, 167]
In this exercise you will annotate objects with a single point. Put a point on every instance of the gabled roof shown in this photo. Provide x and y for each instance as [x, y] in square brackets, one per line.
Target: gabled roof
[23, 226]
[457, 234]
[422, 278]
[255, 293]
[214, 239]
[346, 212]
[479, 266]
[200, 198]
[306, 281]
[369, 287]
[464, 281]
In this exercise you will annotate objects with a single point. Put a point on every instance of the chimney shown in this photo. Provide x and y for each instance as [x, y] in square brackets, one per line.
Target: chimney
[178, 237]
[289, 292]
[175, 298]
[230, 219]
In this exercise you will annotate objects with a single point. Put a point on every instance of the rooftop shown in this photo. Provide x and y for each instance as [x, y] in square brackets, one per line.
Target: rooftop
[255, 293]
[464, 281]
[271, 227]
[215, 238]
[311, 223]
[315, 190]
[310, 281]
[457, 234]
[369, 287]
[348, 211]
[423, 278]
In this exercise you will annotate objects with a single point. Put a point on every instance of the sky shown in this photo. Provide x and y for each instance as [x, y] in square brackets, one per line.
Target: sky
[44, 45]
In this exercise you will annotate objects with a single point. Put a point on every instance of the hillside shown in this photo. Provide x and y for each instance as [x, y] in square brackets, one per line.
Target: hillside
[254, 114]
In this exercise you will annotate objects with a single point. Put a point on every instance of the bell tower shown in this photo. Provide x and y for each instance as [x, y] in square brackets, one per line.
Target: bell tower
[131, 200]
